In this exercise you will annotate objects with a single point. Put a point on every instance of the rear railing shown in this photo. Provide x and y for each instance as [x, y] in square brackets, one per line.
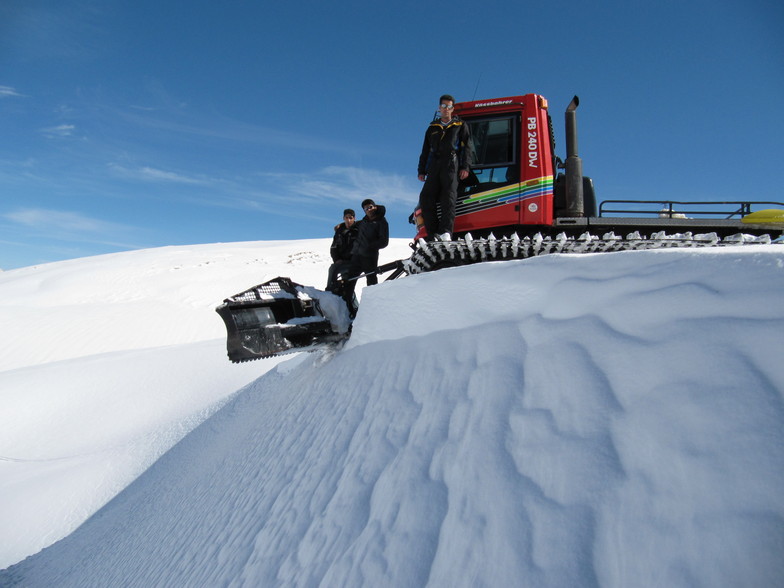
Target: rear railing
[678, 209]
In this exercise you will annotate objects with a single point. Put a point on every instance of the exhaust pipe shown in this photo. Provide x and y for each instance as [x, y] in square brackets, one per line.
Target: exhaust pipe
[575, 199]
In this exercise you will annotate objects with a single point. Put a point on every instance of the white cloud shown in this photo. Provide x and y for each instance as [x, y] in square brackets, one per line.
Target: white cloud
[161, 175]
[59, 131]
[58, 220]
[60, 234]
[151, 174]
[349, 184]
[8, 91]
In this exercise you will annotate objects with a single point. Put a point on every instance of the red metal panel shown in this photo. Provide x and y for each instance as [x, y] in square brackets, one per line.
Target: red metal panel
[536, 164]
[529, 201]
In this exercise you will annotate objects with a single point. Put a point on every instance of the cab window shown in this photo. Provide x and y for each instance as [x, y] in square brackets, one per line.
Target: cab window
[495, 153]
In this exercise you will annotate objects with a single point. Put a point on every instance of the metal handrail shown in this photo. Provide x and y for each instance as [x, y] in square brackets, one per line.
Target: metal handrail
[666, 207]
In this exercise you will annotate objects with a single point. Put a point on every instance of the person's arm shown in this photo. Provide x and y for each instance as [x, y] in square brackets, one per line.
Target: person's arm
[334, 249]
[466, 151]
[423, 157]
[383, 234]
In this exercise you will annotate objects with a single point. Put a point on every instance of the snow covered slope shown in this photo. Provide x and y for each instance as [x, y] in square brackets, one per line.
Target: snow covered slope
[613, 420]
[106, 362]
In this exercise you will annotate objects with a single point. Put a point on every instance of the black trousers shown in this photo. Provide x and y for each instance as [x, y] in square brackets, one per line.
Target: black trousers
[341, 267]
[360, 264]
[440, 189]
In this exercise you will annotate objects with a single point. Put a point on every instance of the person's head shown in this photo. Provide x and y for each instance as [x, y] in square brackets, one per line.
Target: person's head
[446, 105]
[348, 217]
[369, 206]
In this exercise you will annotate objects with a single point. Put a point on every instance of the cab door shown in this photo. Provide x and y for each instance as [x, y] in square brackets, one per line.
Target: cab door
[488, 197]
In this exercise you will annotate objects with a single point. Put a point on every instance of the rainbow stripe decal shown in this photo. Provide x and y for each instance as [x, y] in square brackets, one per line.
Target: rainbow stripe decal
[514, 192]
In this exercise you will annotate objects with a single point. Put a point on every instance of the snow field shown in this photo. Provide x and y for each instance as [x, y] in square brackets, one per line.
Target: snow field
[597, 420]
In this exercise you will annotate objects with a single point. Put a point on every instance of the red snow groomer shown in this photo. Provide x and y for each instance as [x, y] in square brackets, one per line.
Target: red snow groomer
[520, 200]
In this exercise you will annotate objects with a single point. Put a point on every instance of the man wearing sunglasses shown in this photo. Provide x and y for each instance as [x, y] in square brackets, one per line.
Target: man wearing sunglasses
[372, 235]
[446, 158]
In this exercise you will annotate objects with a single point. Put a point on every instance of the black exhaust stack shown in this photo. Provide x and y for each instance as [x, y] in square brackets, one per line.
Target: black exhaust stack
[575, 198]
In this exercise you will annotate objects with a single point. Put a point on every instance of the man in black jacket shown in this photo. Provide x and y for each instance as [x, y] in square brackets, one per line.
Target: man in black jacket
[341, 249]
[446, 157]
[372, 235]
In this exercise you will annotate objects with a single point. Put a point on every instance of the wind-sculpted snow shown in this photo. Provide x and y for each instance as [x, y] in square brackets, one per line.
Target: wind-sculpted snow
[657, 287]
[611, 420]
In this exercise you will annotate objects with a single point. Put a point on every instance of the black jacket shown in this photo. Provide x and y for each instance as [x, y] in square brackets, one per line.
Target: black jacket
[442, 143]
[343, 242]
[373, 234]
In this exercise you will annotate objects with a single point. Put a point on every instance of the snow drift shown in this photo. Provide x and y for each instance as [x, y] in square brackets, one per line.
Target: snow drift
[609, 420]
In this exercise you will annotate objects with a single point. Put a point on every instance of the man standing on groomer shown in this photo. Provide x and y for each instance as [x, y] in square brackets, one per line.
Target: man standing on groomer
[446, 157]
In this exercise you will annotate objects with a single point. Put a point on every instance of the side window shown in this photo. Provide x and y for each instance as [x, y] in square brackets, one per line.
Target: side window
[495, 154]
[493, 141]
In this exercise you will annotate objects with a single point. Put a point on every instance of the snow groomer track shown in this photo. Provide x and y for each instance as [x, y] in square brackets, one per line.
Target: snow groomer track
[434, 255]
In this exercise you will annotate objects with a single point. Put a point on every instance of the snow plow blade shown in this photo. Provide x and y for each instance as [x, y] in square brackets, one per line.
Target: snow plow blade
[281, 316]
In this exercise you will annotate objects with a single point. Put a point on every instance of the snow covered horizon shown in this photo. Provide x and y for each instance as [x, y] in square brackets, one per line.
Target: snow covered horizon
[569, 420]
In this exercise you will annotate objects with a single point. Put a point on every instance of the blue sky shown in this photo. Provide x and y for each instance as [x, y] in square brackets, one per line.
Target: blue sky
[140, 124]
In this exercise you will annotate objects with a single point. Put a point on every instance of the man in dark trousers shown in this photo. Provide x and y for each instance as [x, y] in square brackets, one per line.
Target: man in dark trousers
[341, 249]
[372, 235]
[446, 157]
